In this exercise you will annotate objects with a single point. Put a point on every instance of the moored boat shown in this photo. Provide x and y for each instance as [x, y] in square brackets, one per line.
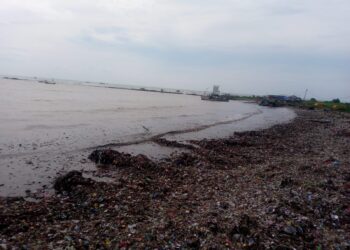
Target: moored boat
[215, 96]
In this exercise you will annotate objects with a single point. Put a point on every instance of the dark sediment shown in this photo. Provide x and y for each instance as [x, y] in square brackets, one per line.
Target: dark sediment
[69, 181]
[112, 158]
[175, 144]
[281, 188]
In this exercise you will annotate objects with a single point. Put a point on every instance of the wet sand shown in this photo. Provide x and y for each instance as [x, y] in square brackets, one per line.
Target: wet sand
[47, 130]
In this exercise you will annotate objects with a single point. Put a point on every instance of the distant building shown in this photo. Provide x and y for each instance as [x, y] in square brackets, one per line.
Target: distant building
[216, 90]
[215, 96]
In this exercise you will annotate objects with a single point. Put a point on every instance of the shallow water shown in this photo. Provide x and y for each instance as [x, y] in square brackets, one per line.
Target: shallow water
[49, 129]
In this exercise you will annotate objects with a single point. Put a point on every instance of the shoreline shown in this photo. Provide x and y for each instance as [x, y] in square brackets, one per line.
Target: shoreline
[156, 137]
[43, 137]
[286, 186]
[44, 170]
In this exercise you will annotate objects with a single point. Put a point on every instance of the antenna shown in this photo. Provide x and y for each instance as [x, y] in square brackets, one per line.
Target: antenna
[306, 90]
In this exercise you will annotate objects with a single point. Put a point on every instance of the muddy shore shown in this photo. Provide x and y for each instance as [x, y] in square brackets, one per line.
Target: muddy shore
[47, 130]
[286, 187]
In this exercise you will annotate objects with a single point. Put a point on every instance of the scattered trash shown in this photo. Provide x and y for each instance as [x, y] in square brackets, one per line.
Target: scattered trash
[334, 162]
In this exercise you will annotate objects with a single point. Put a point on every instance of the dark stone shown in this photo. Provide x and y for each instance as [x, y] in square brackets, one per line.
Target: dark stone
[194, 243]
[120, 160]
[69, 181]
[290, 230]
[286, 182]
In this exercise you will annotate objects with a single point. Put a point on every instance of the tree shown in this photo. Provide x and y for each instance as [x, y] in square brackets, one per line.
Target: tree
[336, 100]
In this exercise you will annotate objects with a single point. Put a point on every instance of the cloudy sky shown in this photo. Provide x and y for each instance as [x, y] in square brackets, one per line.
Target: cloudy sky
[250, 46]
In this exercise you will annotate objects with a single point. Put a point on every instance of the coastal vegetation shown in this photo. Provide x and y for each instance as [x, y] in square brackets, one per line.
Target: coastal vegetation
[335, 105]
[330, 105]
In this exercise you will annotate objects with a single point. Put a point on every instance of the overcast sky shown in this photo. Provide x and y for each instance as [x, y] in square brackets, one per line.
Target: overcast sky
[245, 46]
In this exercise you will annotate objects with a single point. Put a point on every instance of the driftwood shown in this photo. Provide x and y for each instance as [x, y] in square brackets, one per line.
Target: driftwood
[320, 121]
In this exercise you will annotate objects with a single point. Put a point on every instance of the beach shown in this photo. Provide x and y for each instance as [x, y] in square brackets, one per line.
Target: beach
[88, 167]
[174, 125]
[285, 187]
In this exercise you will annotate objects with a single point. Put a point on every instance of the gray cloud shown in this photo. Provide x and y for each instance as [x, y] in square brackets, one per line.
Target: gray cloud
[250, 46]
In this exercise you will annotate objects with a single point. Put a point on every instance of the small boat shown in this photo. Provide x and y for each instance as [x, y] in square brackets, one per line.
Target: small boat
[215, 96]
[47, 82]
